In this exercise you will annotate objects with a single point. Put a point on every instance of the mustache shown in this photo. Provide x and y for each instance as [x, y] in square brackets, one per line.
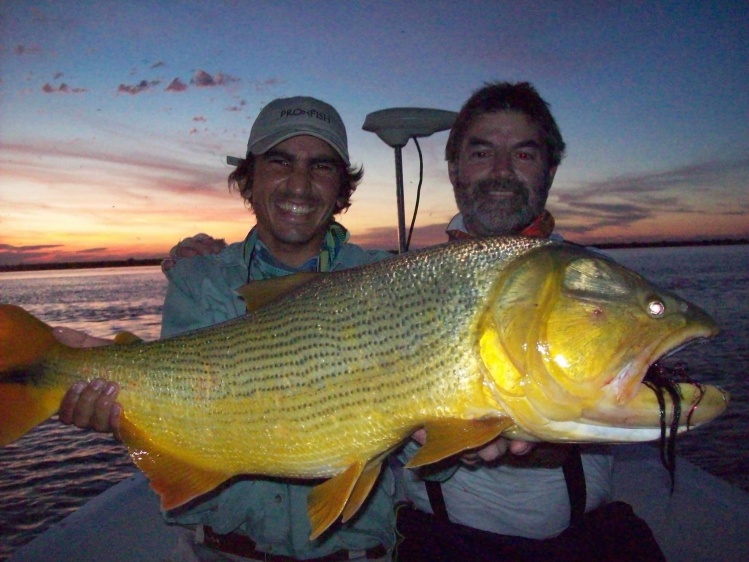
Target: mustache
[511, 185]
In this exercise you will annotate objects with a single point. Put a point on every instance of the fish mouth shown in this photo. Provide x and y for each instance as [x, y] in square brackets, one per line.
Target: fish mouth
[644, 399]
[666, 403]
[628, 381]
[646, 396]
[663, 397]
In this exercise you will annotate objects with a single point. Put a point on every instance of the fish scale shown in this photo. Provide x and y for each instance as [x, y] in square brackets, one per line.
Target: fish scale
[468, 340]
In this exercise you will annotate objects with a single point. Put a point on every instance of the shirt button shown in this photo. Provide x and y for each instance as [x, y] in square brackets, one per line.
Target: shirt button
[278, 499]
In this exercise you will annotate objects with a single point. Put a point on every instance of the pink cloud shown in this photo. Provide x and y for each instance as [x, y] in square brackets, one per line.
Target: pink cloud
[222, 79]
[265, 85]
[141, 86]
[24, 50]
[202, 79]
[176, 85]
[239, 107]
[63, 88]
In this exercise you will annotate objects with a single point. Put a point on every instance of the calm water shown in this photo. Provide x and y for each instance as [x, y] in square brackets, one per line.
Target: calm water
[53, 470]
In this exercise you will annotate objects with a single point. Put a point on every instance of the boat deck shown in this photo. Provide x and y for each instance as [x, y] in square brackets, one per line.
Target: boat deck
[705, 519]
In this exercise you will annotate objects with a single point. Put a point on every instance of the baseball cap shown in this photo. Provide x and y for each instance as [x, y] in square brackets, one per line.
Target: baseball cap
[284, 118]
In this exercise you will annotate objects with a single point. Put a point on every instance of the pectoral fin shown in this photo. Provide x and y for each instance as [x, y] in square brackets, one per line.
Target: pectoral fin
[449, 437]
[175, 480]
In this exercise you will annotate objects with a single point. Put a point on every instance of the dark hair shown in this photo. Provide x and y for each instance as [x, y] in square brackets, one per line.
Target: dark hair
[241, 181]
[505, 96]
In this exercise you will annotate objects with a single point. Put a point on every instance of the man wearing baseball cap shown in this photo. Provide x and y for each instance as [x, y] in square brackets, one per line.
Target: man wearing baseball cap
[295, 176]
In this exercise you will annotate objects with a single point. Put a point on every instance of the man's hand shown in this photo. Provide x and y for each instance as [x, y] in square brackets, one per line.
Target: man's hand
[92, 406]
[198, 245]
[489, 452]
[75, 338]
[89, 405]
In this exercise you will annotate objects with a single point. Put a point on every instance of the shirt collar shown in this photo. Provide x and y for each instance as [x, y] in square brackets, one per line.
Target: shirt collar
[262, 264]
[541, 227]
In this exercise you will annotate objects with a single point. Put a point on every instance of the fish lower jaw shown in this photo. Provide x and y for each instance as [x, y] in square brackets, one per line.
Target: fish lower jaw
[699, 404]
[608, 420]
[582, 432]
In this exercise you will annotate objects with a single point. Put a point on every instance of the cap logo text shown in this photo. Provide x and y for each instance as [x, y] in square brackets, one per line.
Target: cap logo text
[312, 113]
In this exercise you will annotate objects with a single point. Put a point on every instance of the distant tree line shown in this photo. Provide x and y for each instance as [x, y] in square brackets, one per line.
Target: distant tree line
[132, 262]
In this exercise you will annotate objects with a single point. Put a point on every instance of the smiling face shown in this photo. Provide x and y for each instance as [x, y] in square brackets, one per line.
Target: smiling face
[295, 191]
[501, 176]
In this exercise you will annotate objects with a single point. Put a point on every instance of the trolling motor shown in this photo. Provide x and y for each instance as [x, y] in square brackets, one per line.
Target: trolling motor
[395, 126]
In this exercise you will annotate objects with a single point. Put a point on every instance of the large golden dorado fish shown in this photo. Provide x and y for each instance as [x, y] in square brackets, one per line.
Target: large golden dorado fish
[521, 337]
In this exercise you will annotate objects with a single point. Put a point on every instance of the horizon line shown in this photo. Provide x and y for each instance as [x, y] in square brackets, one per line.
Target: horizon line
[142, 262]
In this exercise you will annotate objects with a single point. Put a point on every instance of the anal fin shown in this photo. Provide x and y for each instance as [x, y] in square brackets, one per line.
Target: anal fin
[448, 437]
[362, 488]
[174, 479]
[326, 501]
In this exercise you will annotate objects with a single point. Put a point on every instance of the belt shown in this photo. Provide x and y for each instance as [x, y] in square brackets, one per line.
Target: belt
[242, 545]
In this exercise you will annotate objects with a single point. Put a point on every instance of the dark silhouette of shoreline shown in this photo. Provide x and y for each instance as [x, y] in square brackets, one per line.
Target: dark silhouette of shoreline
[669, 244]
[132, 262]
[157, 261]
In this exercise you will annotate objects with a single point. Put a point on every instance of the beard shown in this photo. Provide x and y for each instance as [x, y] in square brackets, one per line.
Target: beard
[495, 206]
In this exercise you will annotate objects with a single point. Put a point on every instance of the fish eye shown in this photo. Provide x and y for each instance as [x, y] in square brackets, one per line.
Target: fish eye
[656, 308]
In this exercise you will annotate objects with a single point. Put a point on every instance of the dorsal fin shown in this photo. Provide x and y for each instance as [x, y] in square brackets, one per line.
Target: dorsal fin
[259, 293]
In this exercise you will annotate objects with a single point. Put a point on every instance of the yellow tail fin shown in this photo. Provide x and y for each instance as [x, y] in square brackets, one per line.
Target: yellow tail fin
[24, 401]
[24, 339]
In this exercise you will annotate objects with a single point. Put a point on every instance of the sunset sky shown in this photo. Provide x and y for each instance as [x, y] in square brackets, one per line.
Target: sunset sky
[116, 117]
